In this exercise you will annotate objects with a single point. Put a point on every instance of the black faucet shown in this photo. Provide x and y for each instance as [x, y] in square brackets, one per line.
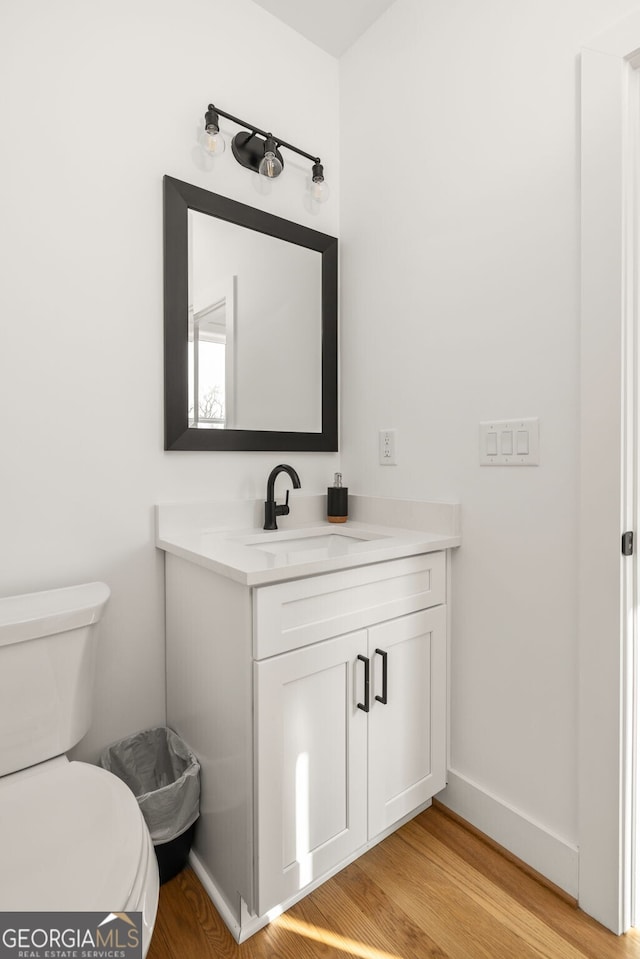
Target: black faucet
[270, 508]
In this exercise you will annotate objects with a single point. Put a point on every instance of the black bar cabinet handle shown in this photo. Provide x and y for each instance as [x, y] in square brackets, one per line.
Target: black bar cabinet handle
[365, 706]
[383, 699]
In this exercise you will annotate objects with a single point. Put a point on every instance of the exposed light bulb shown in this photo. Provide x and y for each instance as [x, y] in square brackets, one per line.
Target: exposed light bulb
[320, 191]
[270, 165]
[212, 141]
[319, 186]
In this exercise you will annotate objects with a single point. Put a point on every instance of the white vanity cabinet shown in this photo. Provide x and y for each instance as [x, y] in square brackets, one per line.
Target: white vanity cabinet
[338, 761]
[267, 685]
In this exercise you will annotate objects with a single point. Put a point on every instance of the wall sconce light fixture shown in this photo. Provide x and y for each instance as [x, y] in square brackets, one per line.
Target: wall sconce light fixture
[258, 150]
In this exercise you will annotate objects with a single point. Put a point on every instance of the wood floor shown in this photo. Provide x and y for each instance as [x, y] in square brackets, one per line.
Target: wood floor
[432, 890]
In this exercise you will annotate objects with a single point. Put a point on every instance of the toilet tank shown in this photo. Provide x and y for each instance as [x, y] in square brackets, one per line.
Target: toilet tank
[48, 644]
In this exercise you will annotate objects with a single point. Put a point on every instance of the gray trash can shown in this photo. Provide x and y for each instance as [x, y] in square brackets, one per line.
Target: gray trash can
[164, 776]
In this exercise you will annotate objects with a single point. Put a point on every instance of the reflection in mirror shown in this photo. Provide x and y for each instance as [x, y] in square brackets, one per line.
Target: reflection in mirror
[250, 327]
[211, 359]
[256, 328]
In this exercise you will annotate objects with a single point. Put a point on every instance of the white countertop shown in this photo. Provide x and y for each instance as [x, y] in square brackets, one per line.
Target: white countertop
[228, 539]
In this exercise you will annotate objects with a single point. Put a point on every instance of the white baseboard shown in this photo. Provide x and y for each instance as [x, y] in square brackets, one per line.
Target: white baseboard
[230, 920]
[548, 854]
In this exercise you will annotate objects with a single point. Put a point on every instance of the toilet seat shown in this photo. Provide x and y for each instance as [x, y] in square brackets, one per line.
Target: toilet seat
[73, 838]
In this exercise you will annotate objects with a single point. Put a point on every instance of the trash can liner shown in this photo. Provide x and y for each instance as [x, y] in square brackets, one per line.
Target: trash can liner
[164, 776]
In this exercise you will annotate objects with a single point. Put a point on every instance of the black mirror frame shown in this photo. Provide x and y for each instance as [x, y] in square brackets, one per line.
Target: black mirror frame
[179, 198]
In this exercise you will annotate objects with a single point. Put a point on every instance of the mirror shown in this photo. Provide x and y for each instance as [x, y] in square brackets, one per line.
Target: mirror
[250, 327]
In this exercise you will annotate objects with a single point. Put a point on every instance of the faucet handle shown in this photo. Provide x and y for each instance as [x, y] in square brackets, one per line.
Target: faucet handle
[284, 509]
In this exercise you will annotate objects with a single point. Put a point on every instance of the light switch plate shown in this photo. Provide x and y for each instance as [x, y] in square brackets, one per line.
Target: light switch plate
[510, 442]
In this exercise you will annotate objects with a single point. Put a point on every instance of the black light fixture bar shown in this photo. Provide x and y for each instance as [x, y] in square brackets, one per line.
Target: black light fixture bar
[264, 133]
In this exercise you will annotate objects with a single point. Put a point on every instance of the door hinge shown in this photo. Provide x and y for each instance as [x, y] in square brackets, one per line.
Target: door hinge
[627, 543]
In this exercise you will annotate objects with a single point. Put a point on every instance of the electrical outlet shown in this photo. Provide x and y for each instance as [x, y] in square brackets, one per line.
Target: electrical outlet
[387, 447]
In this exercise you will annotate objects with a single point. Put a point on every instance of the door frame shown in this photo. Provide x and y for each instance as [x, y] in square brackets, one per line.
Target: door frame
[608, 475]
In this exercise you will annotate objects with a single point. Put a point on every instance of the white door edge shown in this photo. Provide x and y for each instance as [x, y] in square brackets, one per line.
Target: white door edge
[610, 117]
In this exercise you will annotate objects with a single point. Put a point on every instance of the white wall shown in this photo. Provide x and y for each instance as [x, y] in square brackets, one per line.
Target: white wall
[460, 280]
[99, 101]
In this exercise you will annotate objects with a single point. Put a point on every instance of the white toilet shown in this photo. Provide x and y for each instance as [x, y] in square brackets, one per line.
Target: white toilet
[72, 837]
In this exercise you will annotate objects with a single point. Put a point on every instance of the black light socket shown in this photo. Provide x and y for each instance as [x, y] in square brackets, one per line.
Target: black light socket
[211, 119]
[270, 146]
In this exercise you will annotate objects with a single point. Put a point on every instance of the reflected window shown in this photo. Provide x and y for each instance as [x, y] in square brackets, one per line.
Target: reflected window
[207, 374]
[211, 355]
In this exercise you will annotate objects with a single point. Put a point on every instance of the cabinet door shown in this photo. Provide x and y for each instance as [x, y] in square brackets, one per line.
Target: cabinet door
[407, 735]
[311, 746]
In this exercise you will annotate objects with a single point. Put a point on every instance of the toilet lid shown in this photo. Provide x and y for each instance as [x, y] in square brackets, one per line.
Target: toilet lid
[72, 838]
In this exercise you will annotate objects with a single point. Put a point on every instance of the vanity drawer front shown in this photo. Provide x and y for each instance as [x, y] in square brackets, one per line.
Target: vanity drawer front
[304, 611]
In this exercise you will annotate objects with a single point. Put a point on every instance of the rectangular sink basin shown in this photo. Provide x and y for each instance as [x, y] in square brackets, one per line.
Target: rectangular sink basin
[302, 545]
[334, 542]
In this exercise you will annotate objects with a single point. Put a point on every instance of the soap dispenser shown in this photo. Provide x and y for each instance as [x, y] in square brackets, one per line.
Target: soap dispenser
[337, 501]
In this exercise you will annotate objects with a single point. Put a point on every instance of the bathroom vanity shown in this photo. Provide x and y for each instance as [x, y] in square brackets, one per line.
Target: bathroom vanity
[307, 668]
